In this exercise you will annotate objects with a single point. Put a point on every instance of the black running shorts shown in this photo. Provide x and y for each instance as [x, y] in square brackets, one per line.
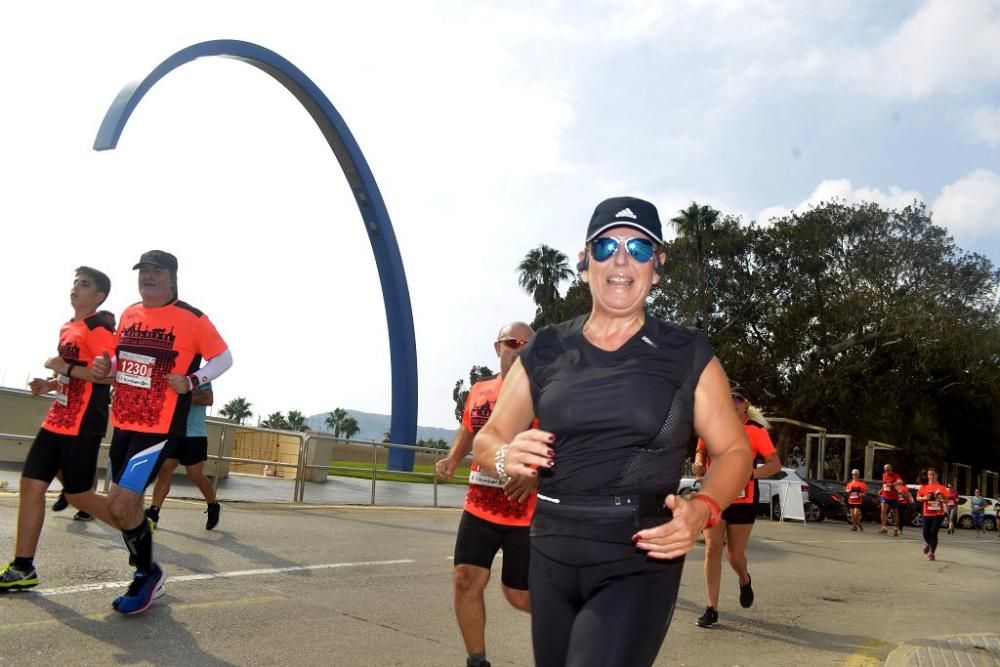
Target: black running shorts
[191, 451]
[74, 455]
[136, 457]
[478, 541]
[740, 514]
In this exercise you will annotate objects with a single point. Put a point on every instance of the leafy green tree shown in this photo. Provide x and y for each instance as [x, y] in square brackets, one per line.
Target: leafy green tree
[297, 421]
[275, 420]
[540, 273]
[237, 409]
[334, 421]
[697, 223]
[460, 393]
[349, 427]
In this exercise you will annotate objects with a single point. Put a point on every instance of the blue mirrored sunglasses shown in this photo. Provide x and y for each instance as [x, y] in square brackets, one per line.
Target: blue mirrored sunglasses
[603, 248]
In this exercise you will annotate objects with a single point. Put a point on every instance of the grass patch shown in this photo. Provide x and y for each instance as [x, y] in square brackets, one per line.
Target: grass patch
[363, 470]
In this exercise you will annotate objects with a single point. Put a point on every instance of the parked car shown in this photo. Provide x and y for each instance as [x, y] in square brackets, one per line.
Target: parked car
[965, 513]
[871, 504]
[826, 501]
[770, 492]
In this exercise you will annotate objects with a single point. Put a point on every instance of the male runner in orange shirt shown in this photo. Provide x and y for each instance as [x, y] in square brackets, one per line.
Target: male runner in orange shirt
[889, 497]
[70, 437]
[159, 348]
[495, 517]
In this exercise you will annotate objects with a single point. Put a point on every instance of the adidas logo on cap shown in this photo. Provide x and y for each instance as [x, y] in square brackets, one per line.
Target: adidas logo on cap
[626, 213]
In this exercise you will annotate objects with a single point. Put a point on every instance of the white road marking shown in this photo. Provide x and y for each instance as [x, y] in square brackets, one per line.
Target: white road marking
[108, 585]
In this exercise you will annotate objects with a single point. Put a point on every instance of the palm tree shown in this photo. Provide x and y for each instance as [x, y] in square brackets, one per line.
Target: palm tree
[541, 271]
[334, 421]
[237, 409]
[697, 223]
[297, 421]
[349, 427]
[275, 420]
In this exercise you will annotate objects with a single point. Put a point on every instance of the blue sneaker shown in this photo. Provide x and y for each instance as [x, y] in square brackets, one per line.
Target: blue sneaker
[145, 588]
[13, 579]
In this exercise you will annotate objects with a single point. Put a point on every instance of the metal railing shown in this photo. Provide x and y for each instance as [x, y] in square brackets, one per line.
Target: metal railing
[306, 441]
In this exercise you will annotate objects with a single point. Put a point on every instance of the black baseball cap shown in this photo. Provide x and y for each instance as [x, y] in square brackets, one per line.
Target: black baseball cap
[625, 212]
[159, 258]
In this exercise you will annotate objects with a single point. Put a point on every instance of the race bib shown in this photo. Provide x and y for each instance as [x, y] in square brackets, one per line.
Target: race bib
[886, 488]
[61, 397]
[135, 370]
[933, 506]
[482, 479]
[854, 495]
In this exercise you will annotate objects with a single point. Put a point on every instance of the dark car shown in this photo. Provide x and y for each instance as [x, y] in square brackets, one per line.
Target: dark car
[826, 501]
[871, 505]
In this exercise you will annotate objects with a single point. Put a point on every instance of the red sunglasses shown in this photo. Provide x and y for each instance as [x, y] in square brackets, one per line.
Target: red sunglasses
[512, 343]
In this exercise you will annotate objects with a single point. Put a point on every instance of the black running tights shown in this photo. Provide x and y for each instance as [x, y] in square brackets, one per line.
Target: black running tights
[597, 604]
[932, 524]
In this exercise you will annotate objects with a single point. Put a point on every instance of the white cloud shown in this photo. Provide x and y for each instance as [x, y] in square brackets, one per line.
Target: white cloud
[984, 125]
[944, 47]
[970, 207]
[843, 190]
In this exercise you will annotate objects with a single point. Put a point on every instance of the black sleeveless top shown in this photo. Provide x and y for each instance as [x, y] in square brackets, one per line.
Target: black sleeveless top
[607, 408]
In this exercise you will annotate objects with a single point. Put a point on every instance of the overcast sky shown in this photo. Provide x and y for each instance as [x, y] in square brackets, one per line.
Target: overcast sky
[490, 128]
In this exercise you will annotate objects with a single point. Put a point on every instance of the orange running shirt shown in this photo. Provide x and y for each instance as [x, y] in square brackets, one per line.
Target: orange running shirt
[152, 343]
[760, 445]
[933, 507]
[486, 498]
[855, 491]
[81, 407]
[889, 482]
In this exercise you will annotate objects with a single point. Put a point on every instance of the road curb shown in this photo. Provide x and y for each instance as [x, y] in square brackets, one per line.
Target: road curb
[969, 649]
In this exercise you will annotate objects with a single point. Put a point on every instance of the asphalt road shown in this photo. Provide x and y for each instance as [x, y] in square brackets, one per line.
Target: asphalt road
[292, 585]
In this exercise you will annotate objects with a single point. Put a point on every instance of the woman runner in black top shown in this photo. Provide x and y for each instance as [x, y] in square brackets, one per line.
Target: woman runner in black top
[618, 393]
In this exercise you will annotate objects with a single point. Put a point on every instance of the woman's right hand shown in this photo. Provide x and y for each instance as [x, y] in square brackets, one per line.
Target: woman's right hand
[528, 451]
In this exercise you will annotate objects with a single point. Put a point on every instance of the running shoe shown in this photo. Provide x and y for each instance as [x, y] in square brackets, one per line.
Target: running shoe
[854, 529]
[895, 533]
[82, 516]
[61, 503]
[861, 527]
[153, 514]
[746, 593]
[927, 548]
[931, 556]
[708, 619]
[13, 579]
[883, 531]
[145, 587]
[213, 515]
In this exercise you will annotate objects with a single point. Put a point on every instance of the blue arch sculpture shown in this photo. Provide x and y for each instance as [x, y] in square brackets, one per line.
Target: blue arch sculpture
[399, 314]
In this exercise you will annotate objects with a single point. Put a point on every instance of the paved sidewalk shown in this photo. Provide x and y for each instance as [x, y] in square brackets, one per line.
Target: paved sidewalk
[948, 651]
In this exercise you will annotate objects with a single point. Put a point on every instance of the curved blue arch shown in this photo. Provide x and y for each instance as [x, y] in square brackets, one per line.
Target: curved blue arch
[399, 314]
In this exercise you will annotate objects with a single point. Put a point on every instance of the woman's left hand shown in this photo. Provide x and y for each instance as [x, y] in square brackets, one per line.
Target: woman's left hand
[676, 537]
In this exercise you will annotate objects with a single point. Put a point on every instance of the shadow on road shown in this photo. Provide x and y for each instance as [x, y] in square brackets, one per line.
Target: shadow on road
[154, 636]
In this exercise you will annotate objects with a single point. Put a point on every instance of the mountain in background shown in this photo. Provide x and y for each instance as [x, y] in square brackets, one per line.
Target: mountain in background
[374, 427]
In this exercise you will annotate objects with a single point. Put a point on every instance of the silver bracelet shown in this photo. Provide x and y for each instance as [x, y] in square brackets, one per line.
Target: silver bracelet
[498, 461]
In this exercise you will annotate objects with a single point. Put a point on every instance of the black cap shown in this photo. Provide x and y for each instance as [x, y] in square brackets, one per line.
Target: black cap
[159, 258]
[625, 212]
